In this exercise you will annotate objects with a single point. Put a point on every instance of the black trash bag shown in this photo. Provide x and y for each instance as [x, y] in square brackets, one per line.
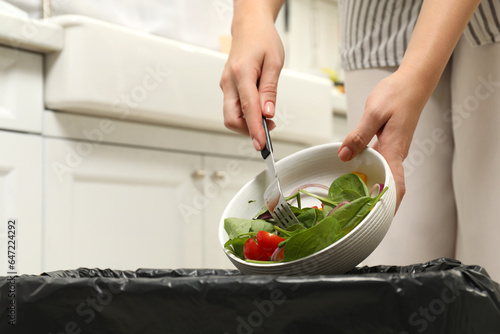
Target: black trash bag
[441, 296]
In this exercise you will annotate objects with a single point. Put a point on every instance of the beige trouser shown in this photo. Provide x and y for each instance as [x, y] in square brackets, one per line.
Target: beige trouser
[452, 203]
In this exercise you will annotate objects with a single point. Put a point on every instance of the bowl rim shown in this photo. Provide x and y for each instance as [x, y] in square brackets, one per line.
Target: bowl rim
[327, 146]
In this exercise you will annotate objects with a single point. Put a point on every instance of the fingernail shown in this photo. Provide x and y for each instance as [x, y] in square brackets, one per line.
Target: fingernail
[269, 109]
[345, 154]
[256, 145]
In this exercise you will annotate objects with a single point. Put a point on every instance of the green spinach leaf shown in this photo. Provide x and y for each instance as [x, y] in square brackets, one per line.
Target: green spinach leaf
[237, 226]
[347, 187]
[349, 211]
[309, 217]
[261, 225]
[290, 231]
[362, 213]
[312, 240]
[330, 229]
[235, 246]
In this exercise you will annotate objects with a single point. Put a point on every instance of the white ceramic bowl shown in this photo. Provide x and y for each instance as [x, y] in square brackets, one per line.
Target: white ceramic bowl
[319, 164]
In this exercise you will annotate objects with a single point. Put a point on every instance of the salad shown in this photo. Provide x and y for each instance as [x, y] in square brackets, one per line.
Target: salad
[260, 240]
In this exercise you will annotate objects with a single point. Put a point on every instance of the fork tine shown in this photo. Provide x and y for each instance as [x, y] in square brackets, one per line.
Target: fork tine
[291, 215]
[282, 214]
[281, 218]
[286, 215]
[285, 219]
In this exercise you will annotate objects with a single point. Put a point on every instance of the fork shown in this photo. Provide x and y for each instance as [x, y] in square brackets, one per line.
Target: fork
[273, 196]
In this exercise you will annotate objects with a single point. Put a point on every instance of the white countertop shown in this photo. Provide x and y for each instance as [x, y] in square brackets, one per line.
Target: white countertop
[29, 34]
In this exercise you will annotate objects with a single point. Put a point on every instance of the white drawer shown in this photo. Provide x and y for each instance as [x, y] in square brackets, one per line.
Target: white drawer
[21, 90]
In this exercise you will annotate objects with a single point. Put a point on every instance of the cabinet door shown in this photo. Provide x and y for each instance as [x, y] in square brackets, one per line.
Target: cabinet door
[21, 88]
[118, 207]
[21, 199]
[225, 177]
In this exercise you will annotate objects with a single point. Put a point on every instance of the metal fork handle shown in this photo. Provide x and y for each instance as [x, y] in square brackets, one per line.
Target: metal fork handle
[268, 149]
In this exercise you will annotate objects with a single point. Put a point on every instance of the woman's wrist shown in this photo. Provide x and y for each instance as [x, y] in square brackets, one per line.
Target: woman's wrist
[254, 12]
[420, 79]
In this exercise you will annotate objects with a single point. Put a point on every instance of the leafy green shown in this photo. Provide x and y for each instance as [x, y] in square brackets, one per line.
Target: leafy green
[317, 229]
[238, 226]
[296, 196]
[291, 230]
[312, 240]
[351, 211]
[362, 213]
[235, 246]
[330, 229]
[296, 211]
[347, 187]
[309, 217]
[261, 225]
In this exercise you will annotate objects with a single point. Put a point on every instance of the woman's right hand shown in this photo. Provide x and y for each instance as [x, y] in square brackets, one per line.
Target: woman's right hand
[250, 78]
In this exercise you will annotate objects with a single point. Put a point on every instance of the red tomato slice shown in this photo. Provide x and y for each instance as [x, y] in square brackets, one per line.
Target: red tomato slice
[268, 241]
[253, 251]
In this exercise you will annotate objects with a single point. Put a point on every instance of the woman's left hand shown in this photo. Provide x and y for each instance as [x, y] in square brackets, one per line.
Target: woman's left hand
[391, 113]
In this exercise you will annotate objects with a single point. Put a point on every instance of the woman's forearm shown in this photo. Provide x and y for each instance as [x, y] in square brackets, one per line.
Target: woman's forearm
[250, 78]
[254, 10]
[438, 29]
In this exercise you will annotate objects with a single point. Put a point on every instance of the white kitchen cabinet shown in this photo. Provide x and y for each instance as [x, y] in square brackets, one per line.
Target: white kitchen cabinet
[116, 207]
[139, 195]
[21, 199]
[21, 90]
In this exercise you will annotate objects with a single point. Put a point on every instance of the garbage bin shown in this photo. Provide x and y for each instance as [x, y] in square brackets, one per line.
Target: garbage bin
[441, 296]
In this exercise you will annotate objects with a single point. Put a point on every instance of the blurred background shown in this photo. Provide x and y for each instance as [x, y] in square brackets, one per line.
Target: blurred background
[112, 144]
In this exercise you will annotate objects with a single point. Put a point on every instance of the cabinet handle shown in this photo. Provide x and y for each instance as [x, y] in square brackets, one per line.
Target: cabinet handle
[218, 175]
[199, 173]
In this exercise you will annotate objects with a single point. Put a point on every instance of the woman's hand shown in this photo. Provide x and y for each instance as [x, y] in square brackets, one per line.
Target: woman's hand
[395, 104]
[250, 78]
[391, 113]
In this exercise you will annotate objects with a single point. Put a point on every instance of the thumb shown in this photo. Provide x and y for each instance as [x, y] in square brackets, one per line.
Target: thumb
[358, 139]
[268, 86]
